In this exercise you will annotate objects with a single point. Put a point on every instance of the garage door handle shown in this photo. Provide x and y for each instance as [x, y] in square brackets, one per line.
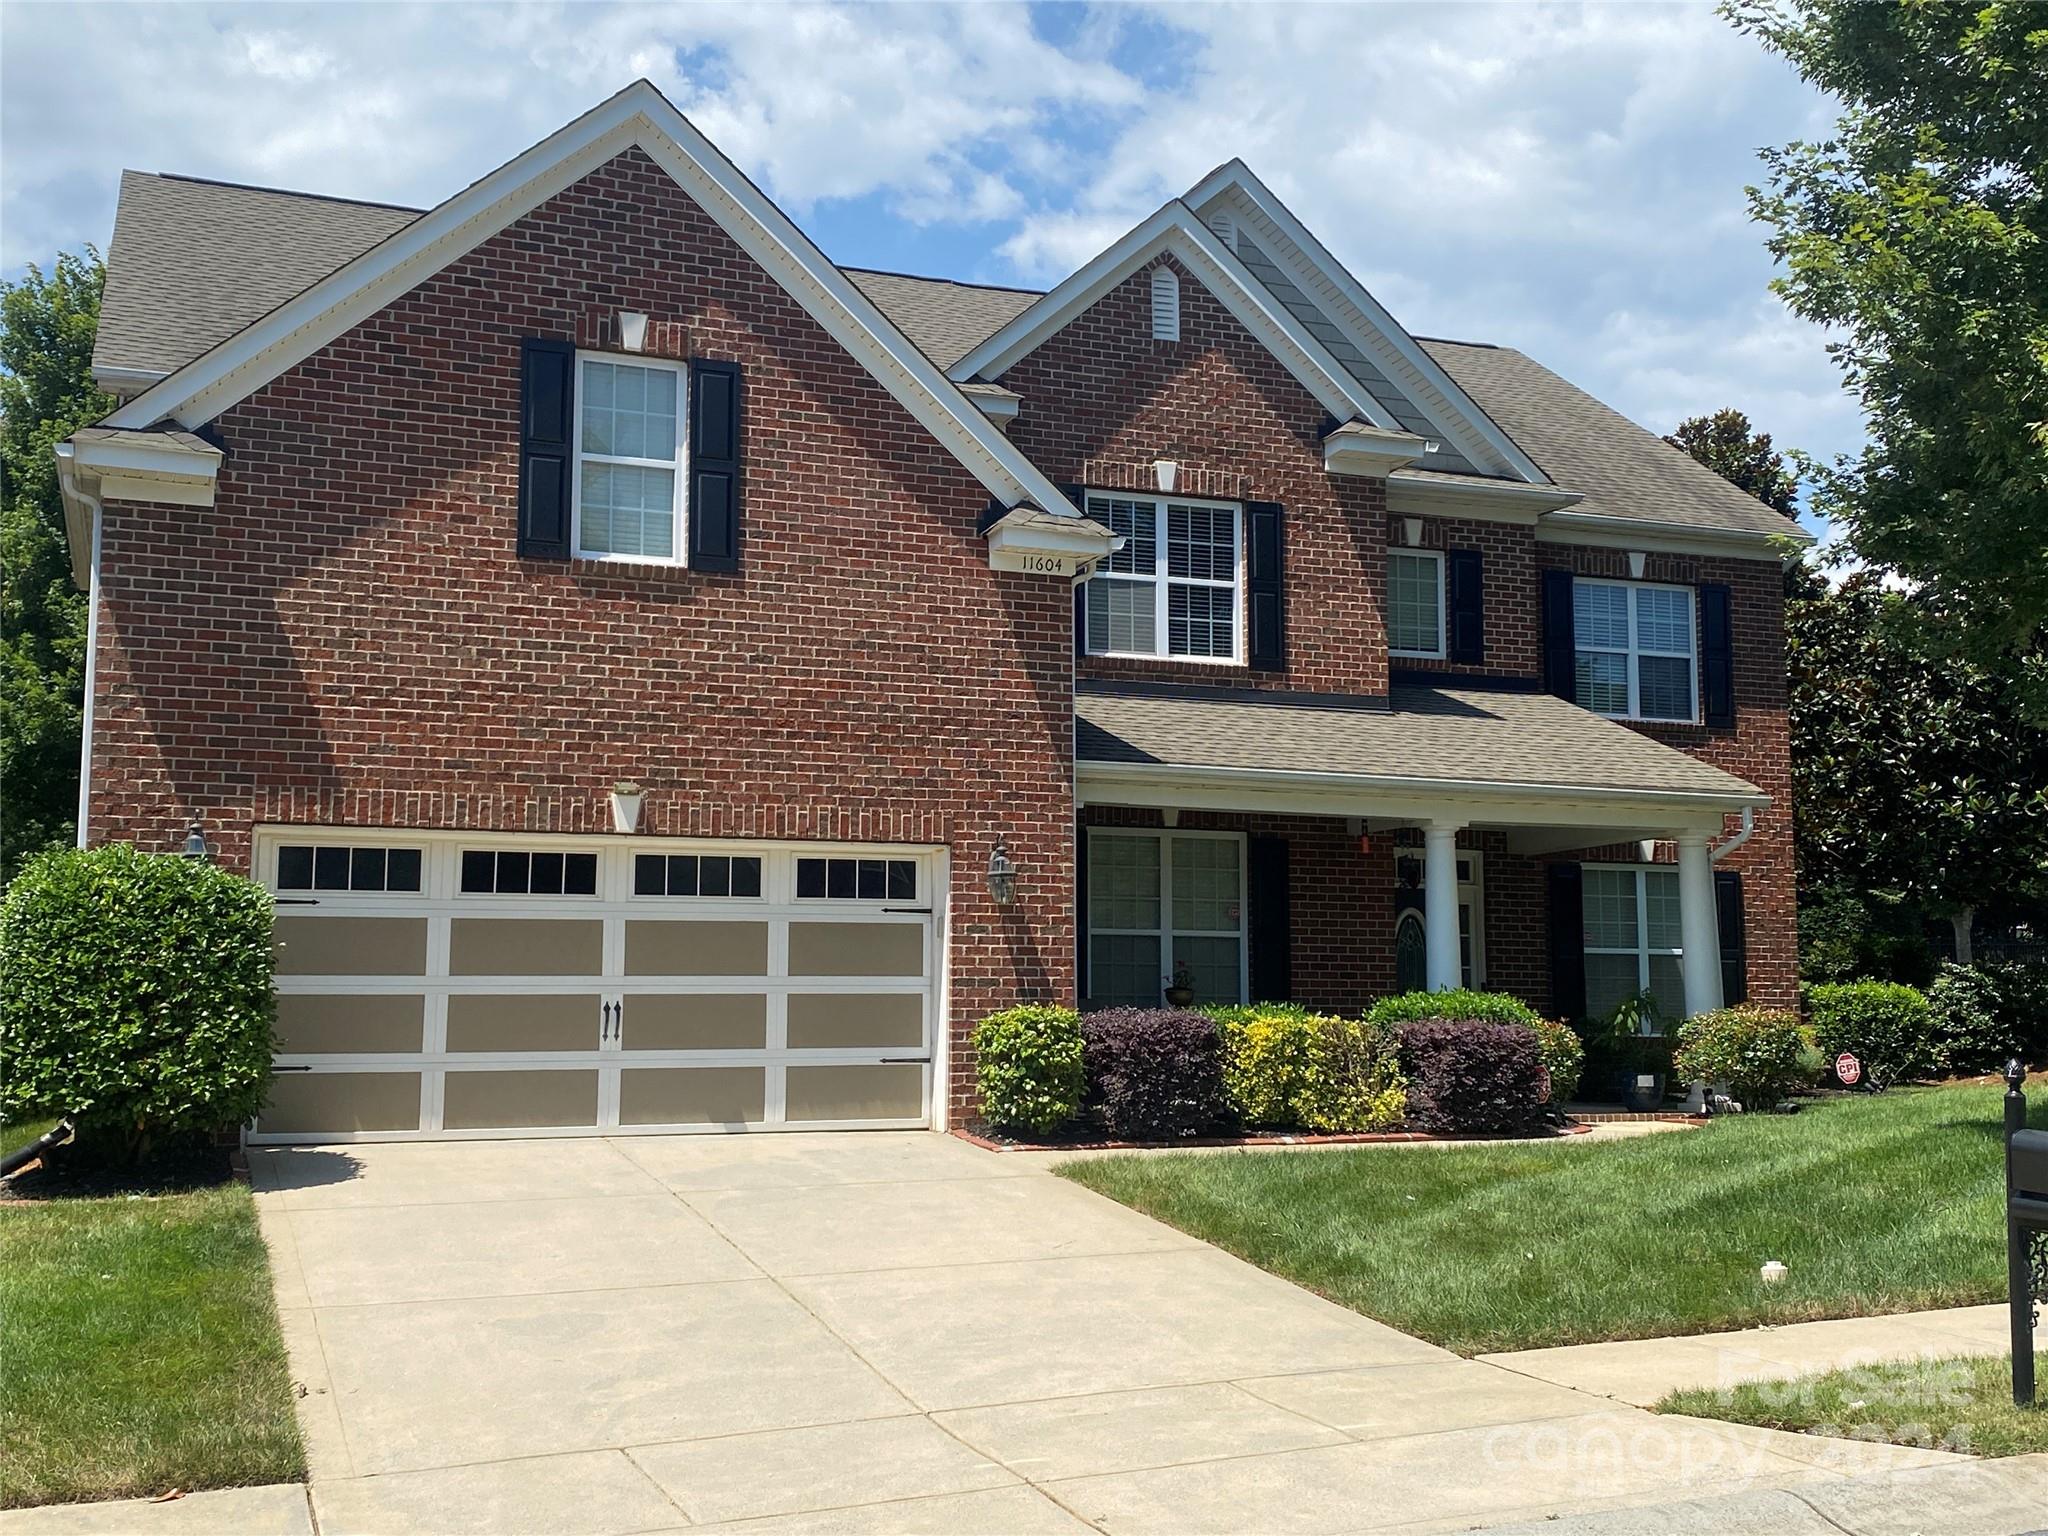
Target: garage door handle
[290, 1069]
[905, 1061]
[908, 911]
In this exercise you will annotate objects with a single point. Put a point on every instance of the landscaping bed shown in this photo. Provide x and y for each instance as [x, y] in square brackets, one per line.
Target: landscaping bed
[1959, 1403]
[1079, 1143]
[1879, 1203]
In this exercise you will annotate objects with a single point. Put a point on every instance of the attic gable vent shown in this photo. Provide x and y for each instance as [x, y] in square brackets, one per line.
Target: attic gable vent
[1165, 305]
[1224, 228]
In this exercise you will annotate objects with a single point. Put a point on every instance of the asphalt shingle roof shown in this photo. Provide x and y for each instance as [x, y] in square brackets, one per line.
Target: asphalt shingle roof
[193, 262]
[1451, 734]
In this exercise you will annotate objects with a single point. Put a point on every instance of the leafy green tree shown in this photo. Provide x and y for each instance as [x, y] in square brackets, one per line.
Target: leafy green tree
[47, 323]
[1727, 444]
[1912, 776]
[1918, 232]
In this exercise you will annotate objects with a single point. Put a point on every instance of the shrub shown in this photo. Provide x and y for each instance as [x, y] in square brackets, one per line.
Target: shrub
[1472, 1076]
[1154, 1073]
[134, 995]
[1973, 1032]
[1564, 1056]
[1761, 1053]
[1286, 1066]
[1886, 1025]
[1027, 1062]
[1458, 1003]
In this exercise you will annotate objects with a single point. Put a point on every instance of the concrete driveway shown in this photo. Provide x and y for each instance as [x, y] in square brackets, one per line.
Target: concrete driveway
[885, 1332]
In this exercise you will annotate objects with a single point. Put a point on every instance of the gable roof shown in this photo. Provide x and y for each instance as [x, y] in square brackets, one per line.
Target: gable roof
[638, 116]
[192, 262]
[946, 319]
[1624, 472]
[1174, 230]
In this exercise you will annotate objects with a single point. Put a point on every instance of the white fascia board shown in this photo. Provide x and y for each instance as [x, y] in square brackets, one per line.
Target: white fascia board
[639, 116]
[147, 455]
[1605, 531]
[1049, 546]
[1494, 803]
[1174, 230]
[1493, 501]
[1372, 329]
[1358, 449]
[81, 515]
[126, 381]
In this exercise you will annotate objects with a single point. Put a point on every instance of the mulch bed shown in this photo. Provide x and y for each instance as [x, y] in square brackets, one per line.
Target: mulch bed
[1255, 1139]
[72, 1175]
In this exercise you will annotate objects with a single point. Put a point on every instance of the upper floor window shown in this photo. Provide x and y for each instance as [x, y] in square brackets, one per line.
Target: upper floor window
[1172, 590]
[1415, 603]
[1635, 650]
[629, 479]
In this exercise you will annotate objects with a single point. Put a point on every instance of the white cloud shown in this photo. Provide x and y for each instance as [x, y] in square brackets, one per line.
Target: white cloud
[1564, 179]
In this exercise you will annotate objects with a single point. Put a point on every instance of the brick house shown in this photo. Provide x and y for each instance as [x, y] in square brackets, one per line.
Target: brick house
[634, 648]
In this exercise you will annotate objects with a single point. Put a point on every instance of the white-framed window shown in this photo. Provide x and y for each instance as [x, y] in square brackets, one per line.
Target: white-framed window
[1415, 603]
[1160, 900]
[626, 501]
[1636, 652]
[1173, 589]
[1632, 937]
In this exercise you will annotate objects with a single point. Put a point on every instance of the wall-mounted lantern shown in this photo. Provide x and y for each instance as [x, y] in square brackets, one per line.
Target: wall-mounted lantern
[195, 842]
[1002, 876]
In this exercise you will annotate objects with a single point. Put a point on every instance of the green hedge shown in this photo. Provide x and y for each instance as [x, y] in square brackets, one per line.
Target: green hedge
[1453, 1003]
[1761, 1053]
[1885, 1025]
[1564, 1056]
[1027, 1063]
[135, 995]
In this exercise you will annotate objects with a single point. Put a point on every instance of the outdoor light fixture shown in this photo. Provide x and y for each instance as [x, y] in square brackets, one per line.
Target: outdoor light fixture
[195, 842]
[1002, 876]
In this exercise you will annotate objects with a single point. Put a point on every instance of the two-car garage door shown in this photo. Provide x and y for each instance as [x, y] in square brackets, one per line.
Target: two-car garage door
[440, 985]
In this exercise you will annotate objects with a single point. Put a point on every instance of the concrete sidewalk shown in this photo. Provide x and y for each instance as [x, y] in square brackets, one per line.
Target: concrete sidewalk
[1642, 1371]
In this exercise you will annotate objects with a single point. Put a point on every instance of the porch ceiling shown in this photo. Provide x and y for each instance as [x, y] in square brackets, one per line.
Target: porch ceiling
[1505, 757]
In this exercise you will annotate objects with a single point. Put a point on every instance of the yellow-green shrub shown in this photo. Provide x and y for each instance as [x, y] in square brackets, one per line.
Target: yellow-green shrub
[1285, 1066]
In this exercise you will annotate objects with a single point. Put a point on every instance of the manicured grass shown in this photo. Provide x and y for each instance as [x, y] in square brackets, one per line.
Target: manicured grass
[139, 1350]
[1959, 1404]
[1879, 1204]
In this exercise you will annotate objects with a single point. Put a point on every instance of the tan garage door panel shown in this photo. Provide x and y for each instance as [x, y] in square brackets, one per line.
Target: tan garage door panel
[681, 948]
[334, 1103]
[351, 946]
[474, 1101]
[853, 1020]
[695, 1021]
[511, 946]
[692, 1095]
[855, 1093]
[484, 1022]
[856, 949]
[364, 1023]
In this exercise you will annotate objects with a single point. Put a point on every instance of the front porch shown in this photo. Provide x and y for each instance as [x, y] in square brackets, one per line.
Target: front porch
[1331, 852]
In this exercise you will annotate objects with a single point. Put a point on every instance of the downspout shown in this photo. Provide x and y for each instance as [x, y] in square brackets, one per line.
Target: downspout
[1735, 842]
[92, 659]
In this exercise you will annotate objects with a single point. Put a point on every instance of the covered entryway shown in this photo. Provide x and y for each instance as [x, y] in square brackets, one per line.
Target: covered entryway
[449, 985]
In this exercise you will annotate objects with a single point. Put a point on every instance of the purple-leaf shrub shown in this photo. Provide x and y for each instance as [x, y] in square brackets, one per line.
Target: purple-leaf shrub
[1471, 1077]
[1154, 1074]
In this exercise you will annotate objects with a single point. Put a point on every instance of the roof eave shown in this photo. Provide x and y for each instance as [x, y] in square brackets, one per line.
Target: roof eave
[1570, 526]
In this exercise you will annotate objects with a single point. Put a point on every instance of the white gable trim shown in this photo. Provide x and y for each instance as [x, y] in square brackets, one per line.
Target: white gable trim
[639, 115]
[1175, 230]
[1355, 311]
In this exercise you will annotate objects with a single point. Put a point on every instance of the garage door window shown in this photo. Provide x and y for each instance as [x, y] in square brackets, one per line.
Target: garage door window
[307, 867]
[516, 872]
[857, 879]
[695, 874]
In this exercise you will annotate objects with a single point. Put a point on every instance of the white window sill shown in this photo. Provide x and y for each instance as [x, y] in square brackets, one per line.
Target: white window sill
[1204, 661]
[1416, 655]
[1647, 719]
[650, 562]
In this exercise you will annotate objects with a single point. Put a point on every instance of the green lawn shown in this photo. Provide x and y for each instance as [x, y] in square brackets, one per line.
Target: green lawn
[140, 1349]
[1879, 1204]
[1958, 1404]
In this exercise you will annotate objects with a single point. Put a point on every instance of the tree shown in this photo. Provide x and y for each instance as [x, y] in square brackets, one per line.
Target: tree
[1919, 234]
[1913, 776]
[1727, 445]
[47, 324]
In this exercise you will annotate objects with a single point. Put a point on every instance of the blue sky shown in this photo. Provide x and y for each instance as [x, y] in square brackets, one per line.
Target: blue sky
[1564, 179]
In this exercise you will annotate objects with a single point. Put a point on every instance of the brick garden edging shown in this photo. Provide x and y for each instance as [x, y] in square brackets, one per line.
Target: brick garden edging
[1271, 1139]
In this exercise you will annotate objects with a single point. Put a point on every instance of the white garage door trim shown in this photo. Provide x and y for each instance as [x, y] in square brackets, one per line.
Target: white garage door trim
[441, 904]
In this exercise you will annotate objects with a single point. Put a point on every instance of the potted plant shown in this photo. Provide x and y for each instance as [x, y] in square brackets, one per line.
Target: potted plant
[1642, 1057]
[1180, 986]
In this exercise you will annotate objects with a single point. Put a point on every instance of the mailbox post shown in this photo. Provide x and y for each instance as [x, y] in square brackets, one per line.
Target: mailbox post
[2026, 1228]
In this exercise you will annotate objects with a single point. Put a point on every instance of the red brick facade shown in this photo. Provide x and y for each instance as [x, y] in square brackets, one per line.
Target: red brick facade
[349, 635]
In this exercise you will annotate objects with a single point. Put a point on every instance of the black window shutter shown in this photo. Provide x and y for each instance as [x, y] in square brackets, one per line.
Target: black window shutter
[1270, 926]
[1567, 942]
[714, 465]
[1560, 640]
[547, 418]
[1265, 587]
[1079, 497]
[1466, 578]
[1717, 655]
[1081, 913]
[1734, 940]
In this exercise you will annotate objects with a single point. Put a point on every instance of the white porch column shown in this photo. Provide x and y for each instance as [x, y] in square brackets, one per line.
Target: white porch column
[1698, 928]
[1440, 904]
